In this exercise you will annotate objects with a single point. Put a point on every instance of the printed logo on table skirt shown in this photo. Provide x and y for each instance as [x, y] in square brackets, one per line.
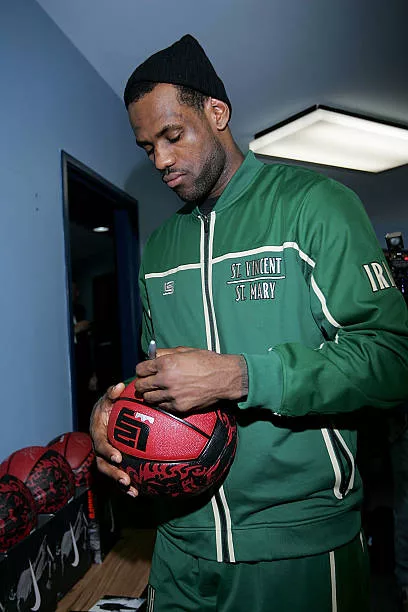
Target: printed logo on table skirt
[116, 603]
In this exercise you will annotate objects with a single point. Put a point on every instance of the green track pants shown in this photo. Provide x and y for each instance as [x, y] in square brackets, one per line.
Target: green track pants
[335, 581]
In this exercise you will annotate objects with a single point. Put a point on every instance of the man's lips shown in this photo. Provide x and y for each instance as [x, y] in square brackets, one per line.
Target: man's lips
[173, 179]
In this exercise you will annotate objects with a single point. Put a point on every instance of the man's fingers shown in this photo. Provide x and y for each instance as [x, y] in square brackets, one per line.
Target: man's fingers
[143, 385]
[132, 491]
[157, 398]
[121, 477]
[114, 392]
[146, 368]
[104, 449]
[106, 454]
[99, 425]
[113, 472]
[102, 446]
[151, 367]
[170, 351]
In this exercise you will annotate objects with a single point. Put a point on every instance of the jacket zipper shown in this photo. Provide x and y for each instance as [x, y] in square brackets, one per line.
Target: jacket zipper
[223, 554]
[206, 222]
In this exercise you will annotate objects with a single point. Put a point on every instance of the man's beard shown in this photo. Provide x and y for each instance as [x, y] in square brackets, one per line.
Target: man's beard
[212, 170]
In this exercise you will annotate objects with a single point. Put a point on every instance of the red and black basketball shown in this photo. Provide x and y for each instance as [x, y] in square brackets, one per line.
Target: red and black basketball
[46, 473]
[76, 447]
[18, 514]
[165, 454]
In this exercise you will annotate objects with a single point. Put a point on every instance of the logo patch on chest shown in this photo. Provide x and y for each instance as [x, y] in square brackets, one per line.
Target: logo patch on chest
[255, 279]
[168, 287]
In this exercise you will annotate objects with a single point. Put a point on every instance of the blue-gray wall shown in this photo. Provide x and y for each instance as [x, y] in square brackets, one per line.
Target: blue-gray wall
[50, 99]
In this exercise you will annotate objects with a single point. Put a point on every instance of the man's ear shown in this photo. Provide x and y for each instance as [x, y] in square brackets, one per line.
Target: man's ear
[220, 113]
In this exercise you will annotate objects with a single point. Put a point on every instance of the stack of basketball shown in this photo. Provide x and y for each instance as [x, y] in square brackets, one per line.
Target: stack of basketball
[41, 480]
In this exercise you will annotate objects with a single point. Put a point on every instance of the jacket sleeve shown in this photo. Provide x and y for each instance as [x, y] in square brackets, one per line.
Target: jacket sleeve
[360, 312]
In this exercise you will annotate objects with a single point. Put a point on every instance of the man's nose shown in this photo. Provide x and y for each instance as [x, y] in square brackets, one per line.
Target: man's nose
[163, 159]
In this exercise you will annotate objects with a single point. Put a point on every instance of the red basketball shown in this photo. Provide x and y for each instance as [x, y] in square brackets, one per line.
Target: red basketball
[18, 514]
[46, 473]
[76, 447]
[169, 455]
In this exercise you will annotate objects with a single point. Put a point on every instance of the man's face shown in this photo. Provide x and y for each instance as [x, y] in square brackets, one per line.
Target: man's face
[182, 142]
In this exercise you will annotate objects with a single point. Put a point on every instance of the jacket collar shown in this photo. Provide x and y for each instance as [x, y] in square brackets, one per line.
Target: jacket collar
[242, 178]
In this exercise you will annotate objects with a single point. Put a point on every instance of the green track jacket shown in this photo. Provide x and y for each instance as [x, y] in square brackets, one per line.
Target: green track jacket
[287, 271]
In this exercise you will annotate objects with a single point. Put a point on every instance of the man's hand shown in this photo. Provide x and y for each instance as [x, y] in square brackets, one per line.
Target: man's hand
[183, 379]
[106, 454]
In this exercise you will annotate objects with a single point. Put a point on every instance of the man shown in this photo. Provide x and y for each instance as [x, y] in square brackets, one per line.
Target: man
[267, 290]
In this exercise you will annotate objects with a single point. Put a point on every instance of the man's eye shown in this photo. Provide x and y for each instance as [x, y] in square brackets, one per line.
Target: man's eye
[174, 138]
[149, 152]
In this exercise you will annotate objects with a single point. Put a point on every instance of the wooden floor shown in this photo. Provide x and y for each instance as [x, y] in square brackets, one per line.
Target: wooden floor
[124, 571]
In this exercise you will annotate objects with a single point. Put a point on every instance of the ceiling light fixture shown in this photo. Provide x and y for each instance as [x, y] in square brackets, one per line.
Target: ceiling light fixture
[323, 135]
[100, 229]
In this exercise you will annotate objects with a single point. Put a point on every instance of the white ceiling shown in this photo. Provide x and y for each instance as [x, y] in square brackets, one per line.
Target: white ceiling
[276, 57]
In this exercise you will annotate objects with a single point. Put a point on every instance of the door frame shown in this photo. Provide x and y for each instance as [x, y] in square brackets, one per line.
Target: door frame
[127, 254]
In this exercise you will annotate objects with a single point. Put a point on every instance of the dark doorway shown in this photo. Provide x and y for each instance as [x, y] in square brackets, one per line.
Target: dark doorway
[101, 237]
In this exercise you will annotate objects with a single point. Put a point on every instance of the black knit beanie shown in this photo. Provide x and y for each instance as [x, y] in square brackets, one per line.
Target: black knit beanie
[183, 63]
